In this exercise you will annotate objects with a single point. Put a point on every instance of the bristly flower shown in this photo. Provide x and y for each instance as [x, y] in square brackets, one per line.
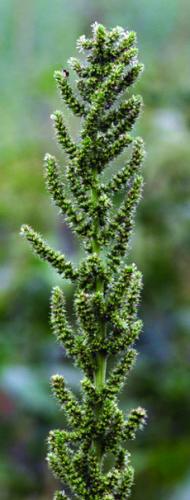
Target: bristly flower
[107, 290]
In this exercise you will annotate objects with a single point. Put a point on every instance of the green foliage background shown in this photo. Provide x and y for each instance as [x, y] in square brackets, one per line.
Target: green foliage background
[36, 38]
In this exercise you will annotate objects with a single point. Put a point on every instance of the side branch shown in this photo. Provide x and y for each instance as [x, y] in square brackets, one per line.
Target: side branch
[120, 373]
[67, 400]
[46, 253]
[121, 226]
[60, 326]
[62, 134]
[125, 115]
[132, 166]
[136, 420]
[67, 94]
[56, 188]
[109, 91]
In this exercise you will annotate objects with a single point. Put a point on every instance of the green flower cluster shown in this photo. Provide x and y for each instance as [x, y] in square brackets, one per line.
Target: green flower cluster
[106, 288]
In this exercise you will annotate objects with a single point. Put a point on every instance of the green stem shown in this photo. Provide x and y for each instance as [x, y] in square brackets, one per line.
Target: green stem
[101, 359]
[100, 373]
[99, 380]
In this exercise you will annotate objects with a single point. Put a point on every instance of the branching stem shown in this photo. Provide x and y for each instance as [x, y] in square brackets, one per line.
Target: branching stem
[101, 358]
[107, 293]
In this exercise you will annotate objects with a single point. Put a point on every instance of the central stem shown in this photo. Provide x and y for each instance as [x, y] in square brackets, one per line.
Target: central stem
[100, 373]
[101, 359]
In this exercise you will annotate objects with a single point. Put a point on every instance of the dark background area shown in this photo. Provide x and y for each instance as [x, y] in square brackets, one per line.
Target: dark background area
[35, 38]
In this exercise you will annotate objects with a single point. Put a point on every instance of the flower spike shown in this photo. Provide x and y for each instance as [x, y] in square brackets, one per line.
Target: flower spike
[101, 338]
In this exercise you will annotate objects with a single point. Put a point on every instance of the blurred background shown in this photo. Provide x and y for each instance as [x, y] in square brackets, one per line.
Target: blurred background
[35, 38]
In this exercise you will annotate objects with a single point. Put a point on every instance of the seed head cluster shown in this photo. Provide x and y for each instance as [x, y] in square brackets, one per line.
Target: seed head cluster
[107, 289]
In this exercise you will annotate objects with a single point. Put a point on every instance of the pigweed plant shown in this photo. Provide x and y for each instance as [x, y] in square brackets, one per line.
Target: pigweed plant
[106, 288]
